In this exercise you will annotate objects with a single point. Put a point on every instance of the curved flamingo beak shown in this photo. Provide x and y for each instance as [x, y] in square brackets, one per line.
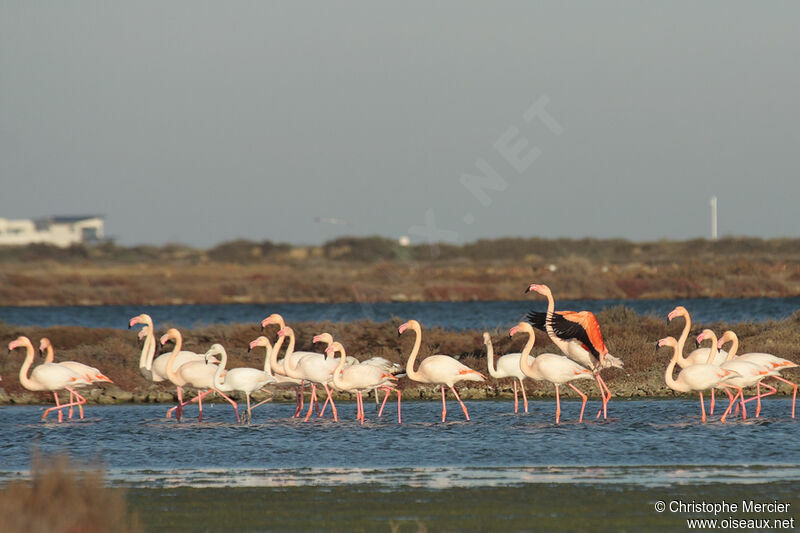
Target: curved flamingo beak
[402, 328]
[133, 322]
[164, 339]
[329, 349]
[700, 338]
[253, 344]
[282, 333]
[513, 331]
[13, 344]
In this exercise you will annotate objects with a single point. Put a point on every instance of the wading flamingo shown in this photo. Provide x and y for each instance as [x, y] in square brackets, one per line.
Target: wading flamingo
[698, 356]
[556, 369]
[48, 377]
[438, 369]
[695, 378]
[730, 336]
[776, 364]
[377, 361]
[246, 380]
[91, 374]
[507, 366]
[156, 369]
[749, 373]
[359, 378]
[314, 368]
[281, 380]
[578, 336]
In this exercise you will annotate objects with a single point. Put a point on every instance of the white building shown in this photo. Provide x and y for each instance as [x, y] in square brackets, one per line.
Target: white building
[59, 231]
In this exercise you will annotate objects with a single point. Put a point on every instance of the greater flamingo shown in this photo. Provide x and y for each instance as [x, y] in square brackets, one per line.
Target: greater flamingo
[507, 366]
[246, 380]
[359, 378]
[156, 369]
[697, 356]
[92, 374]
[438, 369]
[281, 380]
[48, 377]
[312, 367]
[556, 369]
[748, 373]
[730, 336]
[694, 378]
[578, 336]
[776, 364]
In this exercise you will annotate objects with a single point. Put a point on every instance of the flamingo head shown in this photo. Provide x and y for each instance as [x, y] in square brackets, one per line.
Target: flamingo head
[327, 338]
[678, 311]
[143, 332]
[19, 341]
[285, 331]
[171, 334]
[726, 337]
[261, 341]
[274, 318]
[706, 334]
[666, 341]
[411, 324]
[334, 347]
[140, 319]
[486, 338]
[44, 343]
[544, 290]
[216, 349]
[522, 326]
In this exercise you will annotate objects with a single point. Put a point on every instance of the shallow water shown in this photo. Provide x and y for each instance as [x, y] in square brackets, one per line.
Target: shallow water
[450, 315]
[645, 442]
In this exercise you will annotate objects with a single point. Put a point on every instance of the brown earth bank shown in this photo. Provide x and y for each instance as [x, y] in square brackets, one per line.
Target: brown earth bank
[376, 269]
[629, 336]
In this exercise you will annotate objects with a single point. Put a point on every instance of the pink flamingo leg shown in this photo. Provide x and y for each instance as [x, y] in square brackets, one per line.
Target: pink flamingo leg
[300, 392]
[333, 405]
[524, 396]
[233, 403]
[320, 414]
[558, 405]
[444, 405]
[772, 390]
[361, 407]
[516, 398]
[399, 392]
[178, 408]
[702, 408]
[711, 407]
[731, 399]
[57, 407]
[388, 393]
[583, 397]
[463, 407]
[730, 405]
[605, 395]
[311, 401]
[794, 391]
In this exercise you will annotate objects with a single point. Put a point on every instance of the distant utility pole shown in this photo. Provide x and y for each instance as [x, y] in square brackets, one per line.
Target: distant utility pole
[713, 218]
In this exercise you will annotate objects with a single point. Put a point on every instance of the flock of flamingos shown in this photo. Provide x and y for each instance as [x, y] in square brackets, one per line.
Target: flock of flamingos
[576, 334]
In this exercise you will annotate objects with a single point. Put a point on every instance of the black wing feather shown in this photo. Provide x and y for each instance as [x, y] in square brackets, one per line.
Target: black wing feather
[537, 320]
[567, 329]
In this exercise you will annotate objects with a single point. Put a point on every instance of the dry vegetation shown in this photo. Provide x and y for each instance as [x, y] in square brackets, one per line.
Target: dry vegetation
[377, 269]
[63, 497]
[629, 336]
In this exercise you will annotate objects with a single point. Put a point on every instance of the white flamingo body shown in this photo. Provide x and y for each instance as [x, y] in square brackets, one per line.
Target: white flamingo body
[438, 369]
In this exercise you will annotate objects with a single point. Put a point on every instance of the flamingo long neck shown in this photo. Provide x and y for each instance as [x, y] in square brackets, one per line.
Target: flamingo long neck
[273, 359]
[413, 374]
[50, 357]
[223, 356]
[490, 357]
[268, 360]
[171, 375]
[150, 342]
[24, 380]
[289, 351]
[526, 351]
[712, 353]
[684, 335]
[337, 373]
[734, 347]
[551, 309]
[671, 383]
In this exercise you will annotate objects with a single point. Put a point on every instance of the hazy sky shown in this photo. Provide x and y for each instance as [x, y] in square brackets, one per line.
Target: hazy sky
[199, 122]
